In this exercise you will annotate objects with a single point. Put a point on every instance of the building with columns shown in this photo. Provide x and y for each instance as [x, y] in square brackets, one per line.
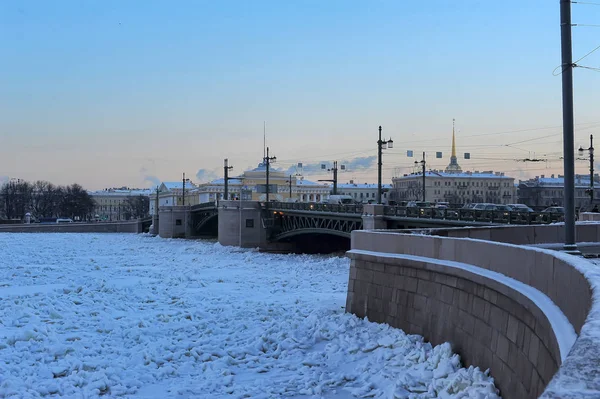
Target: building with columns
[454, 186]
[248, 186]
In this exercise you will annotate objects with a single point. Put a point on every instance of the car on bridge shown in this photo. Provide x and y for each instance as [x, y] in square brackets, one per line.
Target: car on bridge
[519, 208]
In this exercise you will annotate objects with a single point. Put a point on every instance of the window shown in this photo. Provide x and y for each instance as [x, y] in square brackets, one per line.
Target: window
[177, 222]
[250, 223]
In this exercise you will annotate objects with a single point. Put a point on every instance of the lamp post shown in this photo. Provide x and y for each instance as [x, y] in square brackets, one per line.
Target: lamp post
[335, 176]
[267, 161]
[226, 169]
[591, 153]
[381, 145]
[289, 182]
[423, 163]
[183, 180]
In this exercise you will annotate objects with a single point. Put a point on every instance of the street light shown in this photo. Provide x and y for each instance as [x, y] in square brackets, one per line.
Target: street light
[381, 145]
[267, 161]
[423, 163]
[335, 175]
[591, 152]
[183, 180]
[226, 169]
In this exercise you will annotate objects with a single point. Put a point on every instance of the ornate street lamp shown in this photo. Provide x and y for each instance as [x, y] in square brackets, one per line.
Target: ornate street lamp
[381, 145]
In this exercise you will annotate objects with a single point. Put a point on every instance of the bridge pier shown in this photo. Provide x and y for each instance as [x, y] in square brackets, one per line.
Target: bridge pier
[374, 217]
[175, 222]
[241, 224]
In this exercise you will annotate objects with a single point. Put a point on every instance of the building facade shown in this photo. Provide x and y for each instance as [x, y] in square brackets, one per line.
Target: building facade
[456, 188]
[365, 193]
[251, 186]
[541, 191]
[111, 204]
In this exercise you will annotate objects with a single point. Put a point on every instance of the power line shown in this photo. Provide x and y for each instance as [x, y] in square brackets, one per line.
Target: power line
[589, 3]
[587, 54]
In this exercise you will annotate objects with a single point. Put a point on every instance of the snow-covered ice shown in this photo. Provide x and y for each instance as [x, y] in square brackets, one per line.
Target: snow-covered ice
[87, 315]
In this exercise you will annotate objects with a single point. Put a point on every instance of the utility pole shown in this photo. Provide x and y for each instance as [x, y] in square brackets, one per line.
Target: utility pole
[290, 182]
[183, 196]
[335, 170]
[568, 135]
[423, 176]
[267, 160]
[591, 150]
[335, 177]
[226, 169]
[156, 205]
[381, 144]
[423, 163]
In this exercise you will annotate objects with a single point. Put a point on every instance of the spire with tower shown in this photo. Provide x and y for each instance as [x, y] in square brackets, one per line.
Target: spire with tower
[453, 167]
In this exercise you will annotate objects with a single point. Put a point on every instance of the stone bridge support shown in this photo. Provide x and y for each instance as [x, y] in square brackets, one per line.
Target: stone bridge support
[240, 224]
[175, 222]
[374, 217]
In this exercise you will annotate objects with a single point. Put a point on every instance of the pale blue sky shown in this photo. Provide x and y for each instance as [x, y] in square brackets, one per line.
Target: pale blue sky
[106, 92]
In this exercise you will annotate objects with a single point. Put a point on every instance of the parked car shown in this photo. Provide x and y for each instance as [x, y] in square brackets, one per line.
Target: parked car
[64, 220]
[519, 208]
[555, 209]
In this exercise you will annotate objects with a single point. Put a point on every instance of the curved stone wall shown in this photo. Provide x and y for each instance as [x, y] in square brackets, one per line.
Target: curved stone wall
[457, 290]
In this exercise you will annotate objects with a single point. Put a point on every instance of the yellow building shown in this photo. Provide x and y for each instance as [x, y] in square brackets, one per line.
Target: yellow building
[251, 186]
[111, 203]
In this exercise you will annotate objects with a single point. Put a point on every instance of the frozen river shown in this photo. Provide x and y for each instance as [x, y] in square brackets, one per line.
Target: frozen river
[85, 315]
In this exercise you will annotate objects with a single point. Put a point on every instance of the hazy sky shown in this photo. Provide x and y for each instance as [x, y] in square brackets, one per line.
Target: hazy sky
[113, 93]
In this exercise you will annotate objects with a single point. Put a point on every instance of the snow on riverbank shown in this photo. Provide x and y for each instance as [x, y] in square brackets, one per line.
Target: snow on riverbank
[84, 315]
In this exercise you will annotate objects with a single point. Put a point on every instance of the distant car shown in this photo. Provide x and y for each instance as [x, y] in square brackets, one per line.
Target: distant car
[519, 208]
[64, 220]
[555, 209]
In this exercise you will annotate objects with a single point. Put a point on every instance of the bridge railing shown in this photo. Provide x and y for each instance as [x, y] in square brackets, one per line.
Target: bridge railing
[204, 205]
[317, 207]
[474, 215]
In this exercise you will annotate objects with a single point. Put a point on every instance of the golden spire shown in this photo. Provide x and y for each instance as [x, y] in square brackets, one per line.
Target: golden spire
[453, 141]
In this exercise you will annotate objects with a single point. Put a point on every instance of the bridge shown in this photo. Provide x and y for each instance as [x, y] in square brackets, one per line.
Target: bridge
[288, 224]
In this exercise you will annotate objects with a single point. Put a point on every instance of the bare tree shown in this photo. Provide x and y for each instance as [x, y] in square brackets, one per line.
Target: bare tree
[46, 198]
[137, 206]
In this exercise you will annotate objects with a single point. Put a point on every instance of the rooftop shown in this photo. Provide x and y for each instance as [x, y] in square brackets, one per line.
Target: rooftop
[463, 175]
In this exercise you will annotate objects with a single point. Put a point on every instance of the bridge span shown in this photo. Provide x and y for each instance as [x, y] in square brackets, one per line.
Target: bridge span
[284, 225]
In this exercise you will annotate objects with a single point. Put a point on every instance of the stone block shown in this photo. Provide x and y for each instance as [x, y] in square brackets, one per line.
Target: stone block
[534, 349]
[382, 279]
[410, 284]
[365, 275]
[466, 321]
[482, 332]
[424, 275]
[427, 288]
[446, 294]
[512, 328]
[502, 347]
[478, 308]
[466, 286]
[490, 295]
[498, 319]
[420, 302]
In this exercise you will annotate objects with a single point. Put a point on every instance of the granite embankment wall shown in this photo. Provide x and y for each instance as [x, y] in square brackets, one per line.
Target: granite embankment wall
[99, 227]
[519, 311]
